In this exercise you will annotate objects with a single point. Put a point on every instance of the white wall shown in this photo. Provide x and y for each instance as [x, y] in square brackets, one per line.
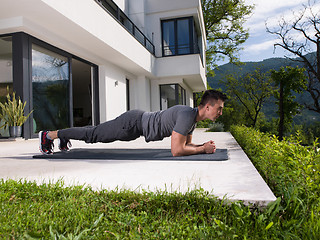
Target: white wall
[142, 93]
[112, 92]
[189, 96]
[155, 95]
[136, 13]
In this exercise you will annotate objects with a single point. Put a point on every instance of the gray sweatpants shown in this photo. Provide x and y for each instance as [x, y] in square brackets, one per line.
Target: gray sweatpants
[126, 127]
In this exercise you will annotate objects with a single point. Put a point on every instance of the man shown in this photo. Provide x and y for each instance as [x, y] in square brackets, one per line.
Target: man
[178, 122]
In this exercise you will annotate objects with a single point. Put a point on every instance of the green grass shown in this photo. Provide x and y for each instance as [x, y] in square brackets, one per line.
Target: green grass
[56, 211]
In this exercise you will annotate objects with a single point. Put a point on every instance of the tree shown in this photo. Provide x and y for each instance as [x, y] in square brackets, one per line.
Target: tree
[233, 113]
[288, 80]
[252, 91]
[224, 29]
[299, 37]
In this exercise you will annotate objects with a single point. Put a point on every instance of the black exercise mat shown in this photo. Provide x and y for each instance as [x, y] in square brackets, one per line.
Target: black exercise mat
[133, 154]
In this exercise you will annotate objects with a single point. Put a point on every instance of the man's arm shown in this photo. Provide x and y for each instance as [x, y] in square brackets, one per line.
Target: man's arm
[182, 145]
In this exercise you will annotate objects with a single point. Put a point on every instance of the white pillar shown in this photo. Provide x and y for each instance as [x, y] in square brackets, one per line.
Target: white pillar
[142, 93]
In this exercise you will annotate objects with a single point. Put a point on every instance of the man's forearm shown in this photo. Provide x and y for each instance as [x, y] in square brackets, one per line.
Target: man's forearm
[182, 145]
[189, 149]
[194, 145]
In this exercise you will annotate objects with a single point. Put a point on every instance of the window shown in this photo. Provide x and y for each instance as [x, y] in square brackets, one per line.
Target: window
[172, 94]
[6, 76]
[179, 37]
[6, 79]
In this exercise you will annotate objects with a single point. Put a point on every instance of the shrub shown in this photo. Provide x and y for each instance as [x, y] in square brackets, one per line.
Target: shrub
[292, 172]
[216, 127]
[12, 111]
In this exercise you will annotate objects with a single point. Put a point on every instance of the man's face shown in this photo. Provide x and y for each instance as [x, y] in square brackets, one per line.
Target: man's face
[214, 109]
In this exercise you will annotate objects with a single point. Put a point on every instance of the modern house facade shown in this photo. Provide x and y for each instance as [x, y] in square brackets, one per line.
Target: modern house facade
[82, 62]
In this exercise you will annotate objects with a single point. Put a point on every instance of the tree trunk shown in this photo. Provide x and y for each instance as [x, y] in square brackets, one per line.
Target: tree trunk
[281, 112]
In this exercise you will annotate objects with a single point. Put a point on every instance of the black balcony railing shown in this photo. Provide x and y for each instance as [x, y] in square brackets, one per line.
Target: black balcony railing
[122, 18]
[182, 49]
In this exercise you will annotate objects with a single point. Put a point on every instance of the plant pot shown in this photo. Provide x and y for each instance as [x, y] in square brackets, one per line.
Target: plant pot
[15, 131]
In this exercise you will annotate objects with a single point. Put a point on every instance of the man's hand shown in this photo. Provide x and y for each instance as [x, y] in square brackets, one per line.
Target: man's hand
[182, 145]
[209, 147]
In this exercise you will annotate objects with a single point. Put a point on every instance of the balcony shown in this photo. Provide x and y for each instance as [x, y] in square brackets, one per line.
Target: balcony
[182, 49]
[110, 7]
[189, 67]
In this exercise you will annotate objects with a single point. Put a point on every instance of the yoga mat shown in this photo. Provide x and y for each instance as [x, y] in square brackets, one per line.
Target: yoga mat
[133, 154]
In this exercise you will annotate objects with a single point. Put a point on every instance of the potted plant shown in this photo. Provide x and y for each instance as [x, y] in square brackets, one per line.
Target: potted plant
[12, 114]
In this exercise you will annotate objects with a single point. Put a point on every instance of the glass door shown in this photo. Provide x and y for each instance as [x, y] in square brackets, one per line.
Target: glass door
[50, 90]
[6, 78]
[82, 93]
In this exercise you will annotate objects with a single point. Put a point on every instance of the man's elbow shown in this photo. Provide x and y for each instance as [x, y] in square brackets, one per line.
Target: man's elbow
[176, 152]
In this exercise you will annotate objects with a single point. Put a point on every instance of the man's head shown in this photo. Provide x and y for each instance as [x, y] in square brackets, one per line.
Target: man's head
[212, 103]
[211, 96]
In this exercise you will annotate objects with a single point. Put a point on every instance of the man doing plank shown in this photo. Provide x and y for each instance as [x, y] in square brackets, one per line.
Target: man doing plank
[178, 122]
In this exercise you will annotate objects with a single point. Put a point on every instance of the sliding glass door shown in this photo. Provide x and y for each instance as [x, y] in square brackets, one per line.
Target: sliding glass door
[50, 90]
[62, 89]
[6, 78]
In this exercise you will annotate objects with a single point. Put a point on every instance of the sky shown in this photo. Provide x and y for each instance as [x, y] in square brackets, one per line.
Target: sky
[259, 45]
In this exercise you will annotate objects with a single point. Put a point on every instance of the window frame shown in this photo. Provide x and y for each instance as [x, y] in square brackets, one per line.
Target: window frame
[193, 43]
[176, 89]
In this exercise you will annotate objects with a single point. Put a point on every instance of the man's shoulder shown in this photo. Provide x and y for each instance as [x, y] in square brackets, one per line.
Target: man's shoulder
[181, 112]
[181, 108]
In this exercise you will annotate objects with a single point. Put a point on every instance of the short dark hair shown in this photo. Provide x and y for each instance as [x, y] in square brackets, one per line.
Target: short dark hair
[212, 95]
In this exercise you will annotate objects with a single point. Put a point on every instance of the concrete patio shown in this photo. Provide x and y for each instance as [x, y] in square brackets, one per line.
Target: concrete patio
[235, 179]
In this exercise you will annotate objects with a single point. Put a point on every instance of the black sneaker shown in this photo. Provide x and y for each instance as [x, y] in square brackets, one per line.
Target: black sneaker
[45, 144]
[64, 144]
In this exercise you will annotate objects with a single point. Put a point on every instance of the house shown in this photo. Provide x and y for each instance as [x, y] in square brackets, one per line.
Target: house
[82, 62]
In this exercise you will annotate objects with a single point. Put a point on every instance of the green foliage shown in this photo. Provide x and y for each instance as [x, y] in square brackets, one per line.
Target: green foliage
[251, 91]
[13, 111]
[224, 21]
[268, 120]
[211, 126]
[292, 172]
[288, 80]
[233, 112]
[216, 127]
[269, 126]
[308, 133]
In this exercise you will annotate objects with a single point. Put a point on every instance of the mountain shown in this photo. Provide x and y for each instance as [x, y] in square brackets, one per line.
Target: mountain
[247, 67]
